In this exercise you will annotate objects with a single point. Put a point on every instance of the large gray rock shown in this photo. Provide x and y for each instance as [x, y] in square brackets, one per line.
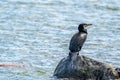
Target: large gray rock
[84, 68]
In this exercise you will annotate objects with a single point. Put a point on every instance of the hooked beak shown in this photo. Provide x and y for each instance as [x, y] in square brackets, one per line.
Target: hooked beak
[85, 26]
[89, 24]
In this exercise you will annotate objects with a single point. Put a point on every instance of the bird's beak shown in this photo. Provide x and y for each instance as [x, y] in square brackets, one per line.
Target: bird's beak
[85, 26]
[89, 24]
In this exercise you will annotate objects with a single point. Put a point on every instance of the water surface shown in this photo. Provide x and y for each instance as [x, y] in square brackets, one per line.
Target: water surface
[37, 34]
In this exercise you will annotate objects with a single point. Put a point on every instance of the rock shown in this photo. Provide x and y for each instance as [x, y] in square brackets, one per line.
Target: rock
[118, 70]
[84, 68]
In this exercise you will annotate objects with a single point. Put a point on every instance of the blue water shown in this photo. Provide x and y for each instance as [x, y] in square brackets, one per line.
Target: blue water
[36, 33]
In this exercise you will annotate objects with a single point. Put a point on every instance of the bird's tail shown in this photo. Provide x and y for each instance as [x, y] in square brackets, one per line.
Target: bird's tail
[73, 55]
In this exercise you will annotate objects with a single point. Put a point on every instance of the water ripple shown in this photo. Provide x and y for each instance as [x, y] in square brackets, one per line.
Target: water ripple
[37, 33]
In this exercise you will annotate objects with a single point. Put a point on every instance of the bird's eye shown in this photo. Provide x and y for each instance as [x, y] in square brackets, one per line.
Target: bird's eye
[85, 26]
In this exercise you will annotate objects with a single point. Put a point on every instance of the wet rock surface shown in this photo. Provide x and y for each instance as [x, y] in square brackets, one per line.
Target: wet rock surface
[84, 68]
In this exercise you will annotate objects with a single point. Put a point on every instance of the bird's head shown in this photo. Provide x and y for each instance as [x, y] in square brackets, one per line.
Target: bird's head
[83, 27]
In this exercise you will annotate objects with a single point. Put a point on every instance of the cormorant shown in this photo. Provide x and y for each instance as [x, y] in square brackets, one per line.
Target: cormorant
[79, 38]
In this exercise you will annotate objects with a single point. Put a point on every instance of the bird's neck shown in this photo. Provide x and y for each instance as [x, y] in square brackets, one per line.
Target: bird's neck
[84, 31]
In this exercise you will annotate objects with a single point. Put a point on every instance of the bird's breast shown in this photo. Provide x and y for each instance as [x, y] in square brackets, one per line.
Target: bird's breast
[83, 35]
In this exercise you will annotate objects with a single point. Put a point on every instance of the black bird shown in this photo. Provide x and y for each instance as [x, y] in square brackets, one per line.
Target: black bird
[79, 38]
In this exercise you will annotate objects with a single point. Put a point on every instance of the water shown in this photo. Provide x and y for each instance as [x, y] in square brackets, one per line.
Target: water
[37, 34]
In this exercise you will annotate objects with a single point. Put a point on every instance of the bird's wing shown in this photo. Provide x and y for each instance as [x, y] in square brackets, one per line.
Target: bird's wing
[77, 42]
